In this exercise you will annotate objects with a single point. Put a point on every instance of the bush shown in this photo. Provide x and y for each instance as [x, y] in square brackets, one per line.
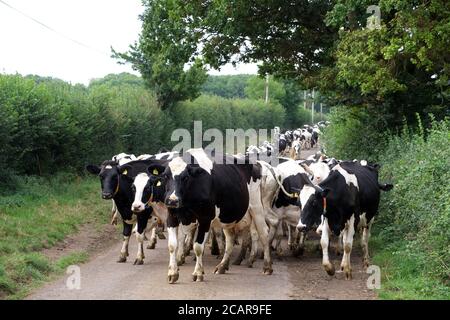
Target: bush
[416, 213]
[355, 133]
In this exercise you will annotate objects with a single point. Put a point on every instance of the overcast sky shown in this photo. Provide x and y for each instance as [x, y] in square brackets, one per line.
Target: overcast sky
[27, 47]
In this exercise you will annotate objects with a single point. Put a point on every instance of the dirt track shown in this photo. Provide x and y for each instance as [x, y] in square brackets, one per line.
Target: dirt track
[293, 278]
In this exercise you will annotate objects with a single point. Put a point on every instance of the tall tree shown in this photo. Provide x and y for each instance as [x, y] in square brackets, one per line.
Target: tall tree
[165, 53]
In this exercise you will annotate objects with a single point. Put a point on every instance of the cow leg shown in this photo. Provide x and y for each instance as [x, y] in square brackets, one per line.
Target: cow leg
[189, 241]
[199, 248]
[114, 213]
[215, 251]
[245, 245]
[153, 239]
[300, 240]
[142, 220]
[126, 239]
[365, 244]
[152, 228]
[229, 243]
[257, 214]
[254, 248]
[339, 246]
[324, 242]
[172, 229]
[278, 237]
[348, 234]
[180, 245]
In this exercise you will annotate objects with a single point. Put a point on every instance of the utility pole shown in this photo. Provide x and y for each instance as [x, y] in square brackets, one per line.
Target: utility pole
[312, 107]
[304, 99]
[321, 111]
[267, 87]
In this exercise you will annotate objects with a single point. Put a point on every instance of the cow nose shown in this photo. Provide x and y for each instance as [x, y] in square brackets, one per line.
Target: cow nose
[137, 207]
[172, 203]
[106, 195]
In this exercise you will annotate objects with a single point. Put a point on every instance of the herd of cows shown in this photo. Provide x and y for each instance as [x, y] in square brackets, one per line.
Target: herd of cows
[197, 197]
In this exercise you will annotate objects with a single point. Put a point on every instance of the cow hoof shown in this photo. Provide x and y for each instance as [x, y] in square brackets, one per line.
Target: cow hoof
[268, 271]
[151, 246]
[329, 268]
[220, 269]
[348, 275]
[198, 278]
[138, 261]
[122, 259]
[172, 278]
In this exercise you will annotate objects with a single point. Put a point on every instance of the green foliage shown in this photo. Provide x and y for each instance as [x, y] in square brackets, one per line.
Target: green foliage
[256, 89]
[164, 47]
[412, 232]
[38, 215]
[227, 86]
[221, 113]
[402, 68]
[354, 133]
[417, 211]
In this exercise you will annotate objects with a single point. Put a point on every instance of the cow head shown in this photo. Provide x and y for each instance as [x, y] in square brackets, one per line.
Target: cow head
[185, 183]
[109, 177]
[146, 188]
[312, 206]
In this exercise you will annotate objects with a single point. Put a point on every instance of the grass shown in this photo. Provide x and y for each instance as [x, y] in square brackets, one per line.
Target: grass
[37, 216]
[402, 277]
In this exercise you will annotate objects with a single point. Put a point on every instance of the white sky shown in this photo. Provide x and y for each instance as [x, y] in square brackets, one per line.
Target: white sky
[28, 48]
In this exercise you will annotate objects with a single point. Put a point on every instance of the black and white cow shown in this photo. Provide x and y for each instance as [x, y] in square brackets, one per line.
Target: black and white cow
[197, 185]
[115, 187]
[291, 178]
[350, 195]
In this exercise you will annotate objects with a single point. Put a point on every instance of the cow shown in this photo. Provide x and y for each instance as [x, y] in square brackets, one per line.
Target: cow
[348, 196]
[119, 189]
[282, 144]
[292, 178]
[199, 186]
[120, 158]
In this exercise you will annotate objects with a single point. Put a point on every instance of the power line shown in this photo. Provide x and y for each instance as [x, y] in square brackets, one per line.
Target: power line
[53, 30]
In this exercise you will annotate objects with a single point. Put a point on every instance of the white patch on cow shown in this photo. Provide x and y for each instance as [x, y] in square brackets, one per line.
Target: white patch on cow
[202, 159]
[320, 170]
[139, 183]
[305, 194]
[349, 178]
[173, 196]
[289, 168]
[170, 155]
[177, 166]
[363, 162]
[108, 167]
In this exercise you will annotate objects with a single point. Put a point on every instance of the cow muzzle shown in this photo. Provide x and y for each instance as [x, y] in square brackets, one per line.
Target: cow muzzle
[172, 201]
[137, 207]
[107, 195]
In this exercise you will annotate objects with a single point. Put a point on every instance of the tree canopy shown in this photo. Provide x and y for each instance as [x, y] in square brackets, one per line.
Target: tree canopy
[398, 69]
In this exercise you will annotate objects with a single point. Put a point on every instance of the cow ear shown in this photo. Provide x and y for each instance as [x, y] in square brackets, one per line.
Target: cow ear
[124, 170]
[155, 169]
[195, 171]
[92, 168]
